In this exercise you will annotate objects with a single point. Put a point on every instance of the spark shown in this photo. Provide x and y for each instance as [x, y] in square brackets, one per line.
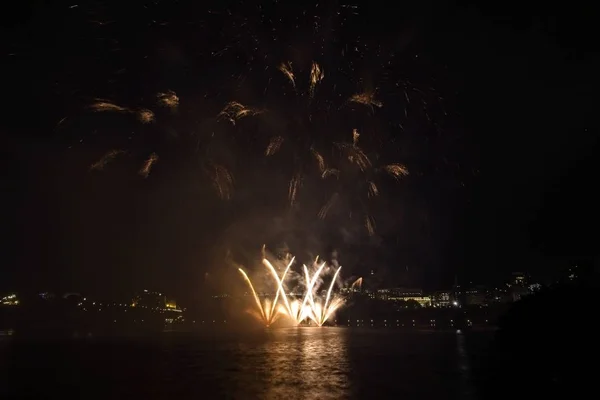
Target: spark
[312, 306]
[286, 69]
[274, 145]
[355, 155]
[280, 289]
[263, 310]
[310, 284]
[168, 99]
[373, 190]
[295, 184]
[316, 76]
[370, 225]
[329, 172]
[106, 158]
[145, 116]
[329, 307]
[357, 284]
[325, 209]
[320, 312]
[320, 160]
[147, 166]
[221, 179]
[107, 106]
[367, 99]
[234, 111]
[355, 137]
[395, 170]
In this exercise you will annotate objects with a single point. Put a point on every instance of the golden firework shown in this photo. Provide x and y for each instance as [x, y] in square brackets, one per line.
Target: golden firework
[312, 307]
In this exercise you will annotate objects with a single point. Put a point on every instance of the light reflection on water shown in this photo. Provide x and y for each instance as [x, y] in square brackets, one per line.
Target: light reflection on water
[313, 365]
[291, 363]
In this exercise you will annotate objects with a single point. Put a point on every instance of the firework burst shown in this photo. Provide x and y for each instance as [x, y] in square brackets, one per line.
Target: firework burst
[311, 306]
[197, 142]
[305, 127]
[300, 92]
[302, 104]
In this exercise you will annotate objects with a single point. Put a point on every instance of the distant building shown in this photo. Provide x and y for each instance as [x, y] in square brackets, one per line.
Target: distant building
[9, 300]
[154, 301]
[519, 279]
[456, 292]
[518, 292]
[148, 299]
[517, 288]
[171, 305]
[442, 299]
[404, 294]
[476, 296]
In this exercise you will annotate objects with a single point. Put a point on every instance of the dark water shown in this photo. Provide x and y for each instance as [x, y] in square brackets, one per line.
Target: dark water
[295, 363]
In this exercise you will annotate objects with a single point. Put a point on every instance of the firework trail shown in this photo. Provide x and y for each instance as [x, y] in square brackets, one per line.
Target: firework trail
[234, 111]
[221, 179]
[168, 99]
[309, 78]
[311, 306]
[367, 99]
[217, 173]
[306, 106]
[357, 284]
[106, 158]
[144, 115]
[148, 164]
[358, 178]
[308, 129]
[305, 132]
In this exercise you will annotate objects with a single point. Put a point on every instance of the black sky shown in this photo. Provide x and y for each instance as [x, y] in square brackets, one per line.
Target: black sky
[507, 185]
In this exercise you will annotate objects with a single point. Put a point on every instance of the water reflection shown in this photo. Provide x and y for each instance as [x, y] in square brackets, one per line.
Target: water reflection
[308, 363]
[294, 363]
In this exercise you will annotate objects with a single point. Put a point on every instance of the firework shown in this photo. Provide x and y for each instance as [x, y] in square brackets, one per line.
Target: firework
[107, 106]
[300, 96]
[217, 174]
[307, 135]
[311, 307]
[106, 158]
[168, 99]
[235, 111]
[221, 179]
[305, 132]
[357, 284]
[367, 99]
[359, 178]
[147, 166]
[314, 95]
[144, 115]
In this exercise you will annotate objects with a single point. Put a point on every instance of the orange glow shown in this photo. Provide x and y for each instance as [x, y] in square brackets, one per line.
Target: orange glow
[312, 307]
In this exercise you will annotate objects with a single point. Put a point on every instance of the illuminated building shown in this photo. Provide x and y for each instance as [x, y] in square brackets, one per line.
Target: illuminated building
[404, 294]
[152, 300]
[171, 305]
[476, 296]
[519, 279]
[10, 300]
[442, 299]
[155, 301]
[456, 292]
[518, 286]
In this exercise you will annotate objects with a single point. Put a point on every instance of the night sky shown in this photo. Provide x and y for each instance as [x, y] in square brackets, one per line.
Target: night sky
[498, 139]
